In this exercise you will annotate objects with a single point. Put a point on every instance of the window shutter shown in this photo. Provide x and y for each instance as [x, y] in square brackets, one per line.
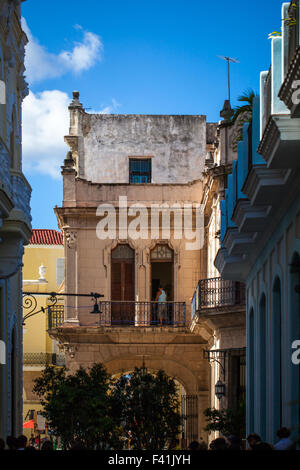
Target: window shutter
[60, 270]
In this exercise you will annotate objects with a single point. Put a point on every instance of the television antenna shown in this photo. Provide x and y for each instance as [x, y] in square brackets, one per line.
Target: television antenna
[229, 60]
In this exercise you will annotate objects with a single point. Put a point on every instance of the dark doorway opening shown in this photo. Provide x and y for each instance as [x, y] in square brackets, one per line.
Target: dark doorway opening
[122, 286]
[162, 274]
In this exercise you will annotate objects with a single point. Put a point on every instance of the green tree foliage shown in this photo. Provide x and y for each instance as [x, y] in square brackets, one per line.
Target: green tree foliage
[290, 20]
[149, 408]
[227, 421]
[241, 115]
[78, 407]
[246, 109]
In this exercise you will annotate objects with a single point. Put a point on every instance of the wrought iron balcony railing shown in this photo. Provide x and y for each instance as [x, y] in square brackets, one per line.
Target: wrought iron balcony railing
[129, 313]
[43, 359]
[216, 293]
[142, 314]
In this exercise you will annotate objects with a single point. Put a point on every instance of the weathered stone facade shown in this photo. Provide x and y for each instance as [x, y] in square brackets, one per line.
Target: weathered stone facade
[15, 219]
[219, 306]
[96, 172]
[103, 144]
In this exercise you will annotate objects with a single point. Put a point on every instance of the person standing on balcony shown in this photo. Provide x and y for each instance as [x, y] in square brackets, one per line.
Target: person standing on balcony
[161, 297]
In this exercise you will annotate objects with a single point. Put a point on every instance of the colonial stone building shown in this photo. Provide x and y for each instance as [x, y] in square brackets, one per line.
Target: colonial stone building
[260, 238]
[218, 305]
[15, 219]
[43, 272]
[143, 173]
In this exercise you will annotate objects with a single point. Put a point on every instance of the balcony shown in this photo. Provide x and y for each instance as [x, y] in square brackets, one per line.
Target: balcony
[43, 359]
[217, 294]
[128, 313]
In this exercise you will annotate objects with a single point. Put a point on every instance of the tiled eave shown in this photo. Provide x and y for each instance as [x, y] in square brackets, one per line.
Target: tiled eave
[280, 145]
[286, 91]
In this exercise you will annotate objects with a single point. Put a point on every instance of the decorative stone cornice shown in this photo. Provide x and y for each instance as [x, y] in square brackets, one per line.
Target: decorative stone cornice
[232, 268]
[250, 218]
[280, 145]
[270, 137]
[238, 243]
[6, 203]
[264, 185]
[233, 317]
[72, 142]
[70, 237]
[69, 165]
[286, 91]
[11, 254]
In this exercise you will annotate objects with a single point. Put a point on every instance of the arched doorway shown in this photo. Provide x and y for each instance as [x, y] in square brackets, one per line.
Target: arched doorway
[13, 402]
[277, 354]
[251, 371]
[294, 326]
[122, 285]
[263, 365]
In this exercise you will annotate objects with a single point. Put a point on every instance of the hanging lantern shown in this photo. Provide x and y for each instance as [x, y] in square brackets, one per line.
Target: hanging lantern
[220, 389]
[96, 308]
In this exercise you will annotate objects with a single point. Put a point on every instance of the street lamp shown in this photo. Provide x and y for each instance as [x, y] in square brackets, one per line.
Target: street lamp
[30, 302]
[220, 389]
[96, 305]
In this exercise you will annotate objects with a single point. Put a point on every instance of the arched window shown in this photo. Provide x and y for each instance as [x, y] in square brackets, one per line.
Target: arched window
[262, 365]
[13, 145]
[13, 371]
[294, 327]
[122, 252]
[162, 253]
[277, 354]
[251, 362]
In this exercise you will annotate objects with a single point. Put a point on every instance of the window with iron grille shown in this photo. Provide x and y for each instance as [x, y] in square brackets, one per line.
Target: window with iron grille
[140, 170]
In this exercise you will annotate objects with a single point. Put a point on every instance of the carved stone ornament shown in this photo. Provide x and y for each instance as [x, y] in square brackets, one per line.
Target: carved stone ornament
[71, 238]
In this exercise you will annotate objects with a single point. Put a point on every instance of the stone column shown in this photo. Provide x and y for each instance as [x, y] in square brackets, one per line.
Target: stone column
[71, 275]
[203, 403]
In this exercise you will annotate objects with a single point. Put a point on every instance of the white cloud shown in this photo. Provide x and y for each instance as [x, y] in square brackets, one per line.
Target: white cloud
[108, 109]
[41, 64]
[45, 123]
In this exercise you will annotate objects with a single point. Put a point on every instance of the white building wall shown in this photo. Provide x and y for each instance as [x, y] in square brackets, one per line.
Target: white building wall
[274, 262]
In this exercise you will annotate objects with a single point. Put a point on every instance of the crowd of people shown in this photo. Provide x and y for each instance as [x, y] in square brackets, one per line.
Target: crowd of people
[22, 443]
[231, 443]
[255, 443]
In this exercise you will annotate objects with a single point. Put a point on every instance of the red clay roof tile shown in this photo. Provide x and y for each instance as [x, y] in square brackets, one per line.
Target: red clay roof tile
[46, 237]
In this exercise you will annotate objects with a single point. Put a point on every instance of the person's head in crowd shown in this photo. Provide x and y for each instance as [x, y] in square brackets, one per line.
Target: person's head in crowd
[202, 445]
[194, 445]
[11, 442]
[283, 433]
[218, 444]
[234, 442]
[253, 439]
[21, 442]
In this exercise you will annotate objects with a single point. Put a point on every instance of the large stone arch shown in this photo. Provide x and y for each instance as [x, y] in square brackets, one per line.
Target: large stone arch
[172, 368]
[176, 351]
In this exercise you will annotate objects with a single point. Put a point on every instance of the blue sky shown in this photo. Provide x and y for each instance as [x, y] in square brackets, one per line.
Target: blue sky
[128, 56]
